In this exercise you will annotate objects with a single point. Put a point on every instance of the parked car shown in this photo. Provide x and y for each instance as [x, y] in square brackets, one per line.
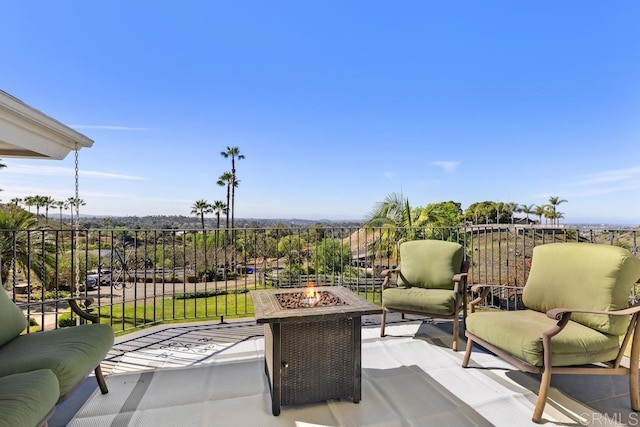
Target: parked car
[90, 283]
[104, 277]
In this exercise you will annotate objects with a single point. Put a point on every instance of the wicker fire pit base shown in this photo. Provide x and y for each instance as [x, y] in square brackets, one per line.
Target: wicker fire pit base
[312, 354]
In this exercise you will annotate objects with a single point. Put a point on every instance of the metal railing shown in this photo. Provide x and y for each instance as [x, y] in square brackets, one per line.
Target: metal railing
[143, 277]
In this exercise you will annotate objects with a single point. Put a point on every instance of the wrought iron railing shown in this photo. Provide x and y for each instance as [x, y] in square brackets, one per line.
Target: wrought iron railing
[142, 277]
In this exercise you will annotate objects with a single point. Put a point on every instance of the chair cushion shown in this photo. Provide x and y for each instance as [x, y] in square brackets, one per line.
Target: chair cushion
[26, 399]
[12, 320]
[583, 275]
[71, 353]
[519, 333]
[432, 301]
[429, 263]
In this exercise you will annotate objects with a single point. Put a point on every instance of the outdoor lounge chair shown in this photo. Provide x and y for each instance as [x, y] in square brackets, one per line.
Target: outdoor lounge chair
[70, 353]
[577, 318]
[431, 281]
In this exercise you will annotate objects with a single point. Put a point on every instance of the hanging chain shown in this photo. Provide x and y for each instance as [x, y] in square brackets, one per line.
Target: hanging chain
[76, 225]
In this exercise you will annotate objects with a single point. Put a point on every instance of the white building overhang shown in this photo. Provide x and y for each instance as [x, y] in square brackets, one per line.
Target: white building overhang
[28, 133]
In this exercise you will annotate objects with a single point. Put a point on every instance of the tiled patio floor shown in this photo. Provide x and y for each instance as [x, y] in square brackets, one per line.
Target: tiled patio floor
[181, 345]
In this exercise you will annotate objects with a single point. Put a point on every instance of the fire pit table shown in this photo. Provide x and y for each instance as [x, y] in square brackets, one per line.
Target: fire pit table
[312, 343]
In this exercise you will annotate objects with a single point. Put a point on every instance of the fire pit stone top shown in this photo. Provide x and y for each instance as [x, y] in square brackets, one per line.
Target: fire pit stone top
[289, 305]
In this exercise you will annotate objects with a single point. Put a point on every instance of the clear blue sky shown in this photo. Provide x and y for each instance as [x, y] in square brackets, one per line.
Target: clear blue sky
[335, 104]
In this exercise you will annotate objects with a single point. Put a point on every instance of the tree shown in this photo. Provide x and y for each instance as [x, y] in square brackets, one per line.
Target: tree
[234, 153]
[527, 210]
[73, 203]
[539, 211]
[330, 255]
[59, 204]
[225, 180]
[16, 201]
[554, 201]
[201, 207]
[219, 207]
[19, 247]
[394, 210]
[47, 202]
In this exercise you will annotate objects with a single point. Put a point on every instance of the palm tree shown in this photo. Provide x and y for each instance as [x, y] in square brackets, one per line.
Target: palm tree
[554, 201]
[225, 180]
[29, 201]
[394, 210]
[219, 207]
[201, 207]
[72, 203]
[47, 202]
[17, 246]
[234, 153]
[16, 201]
[60, 205]
[539, 211]
[527, 210]
[394, 217]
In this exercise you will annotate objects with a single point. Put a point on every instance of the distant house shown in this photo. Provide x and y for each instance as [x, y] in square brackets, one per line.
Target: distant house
[525, 221]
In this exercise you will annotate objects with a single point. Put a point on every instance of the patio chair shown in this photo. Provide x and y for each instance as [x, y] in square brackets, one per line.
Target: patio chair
[431, 281]
[577, 318]
[70, 353]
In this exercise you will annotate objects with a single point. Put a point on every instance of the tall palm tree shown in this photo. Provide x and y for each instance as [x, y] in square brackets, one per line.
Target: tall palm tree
[554, 201]
[234, 153]
[225, 180]
[201, 207]
[16, 201]
[47, 202]
[72, 203]
[59, 204]
[218, 208]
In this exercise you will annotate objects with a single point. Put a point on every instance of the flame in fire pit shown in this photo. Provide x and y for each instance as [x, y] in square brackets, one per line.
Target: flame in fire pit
[309, 295]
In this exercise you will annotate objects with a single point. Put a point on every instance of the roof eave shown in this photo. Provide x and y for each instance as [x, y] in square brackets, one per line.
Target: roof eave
[28, 133]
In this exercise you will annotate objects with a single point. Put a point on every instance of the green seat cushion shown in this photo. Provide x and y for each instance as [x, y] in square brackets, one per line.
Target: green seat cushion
[26, 399]
[12, 320]
[432, 301]
[583, 275]
[519, 333]
[429, 263]
[71, 353]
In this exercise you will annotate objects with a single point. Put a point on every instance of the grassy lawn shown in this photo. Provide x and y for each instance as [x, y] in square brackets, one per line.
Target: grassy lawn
[125, 317]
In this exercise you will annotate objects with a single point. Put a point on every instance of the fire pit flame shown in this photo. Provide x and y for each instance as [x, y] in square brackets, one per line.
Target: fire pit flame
[309, 295]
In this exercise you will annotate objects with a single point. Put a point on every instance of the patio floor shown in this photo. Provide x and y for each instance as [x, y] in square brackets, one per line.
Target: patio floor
[601, 400]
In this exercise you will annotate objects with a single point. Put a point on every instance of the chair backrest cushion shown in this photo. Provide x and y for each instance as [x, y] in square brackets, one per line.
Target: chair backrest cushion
[12, 320]
[583, 275]
[429, 263]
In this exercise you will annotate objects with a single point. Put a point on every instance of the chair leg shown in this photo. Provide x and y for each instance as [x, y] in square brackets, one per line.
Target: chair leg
[467, 353]
[545, 381]
[101, 382]
[456, 331]
[382, 321]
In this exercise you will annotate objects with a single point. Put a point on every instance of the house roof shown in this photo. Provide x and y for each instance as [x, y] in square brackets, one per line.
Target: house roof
[28, 133]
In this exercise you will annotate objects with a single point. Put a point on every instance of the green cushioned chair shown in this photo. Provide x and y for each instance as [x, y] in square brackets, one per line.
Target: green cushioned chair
[70, 353]
[578, 319]
[431, 281]
[27, 399]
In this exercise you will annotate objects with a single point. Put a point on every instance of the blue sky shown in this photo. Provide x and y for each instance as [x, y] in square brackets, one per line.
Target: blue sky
[335, 104]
